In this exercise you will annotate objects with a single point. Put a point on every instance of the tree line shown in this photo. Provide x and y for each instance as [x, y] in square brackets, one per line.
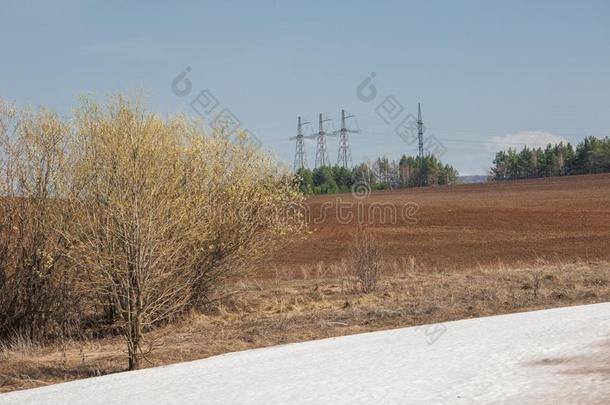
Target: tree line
[592, 155]
[380, 174]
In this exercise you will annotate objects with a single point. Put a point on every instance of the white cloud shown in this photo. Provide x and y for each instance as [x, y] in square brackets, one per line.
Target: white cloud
[520, 139]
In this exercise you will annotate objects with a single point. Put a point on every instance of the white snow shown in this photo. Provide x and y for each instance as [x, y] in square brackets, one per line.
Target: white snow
[557, 356]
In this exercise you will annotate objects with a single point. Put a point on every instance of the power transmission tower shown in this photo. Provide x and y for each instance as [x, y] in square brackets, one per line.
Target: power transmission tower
[300, 158]
[321, 148]
[344, 157]
[420, 138]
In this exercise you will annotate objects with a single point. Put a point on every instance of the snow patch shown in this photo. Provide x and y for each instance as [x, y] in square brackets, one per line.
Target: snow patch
[540, 357]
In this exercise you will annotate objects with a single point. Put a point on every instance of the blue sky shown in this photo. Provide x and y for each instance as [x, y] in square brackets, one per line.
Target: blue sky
[487, 73]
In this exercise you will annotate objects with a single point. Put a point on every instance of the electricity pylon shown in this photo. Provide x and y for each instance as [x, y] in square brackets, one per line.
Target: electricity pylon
[344, 157]
[321, 148]
[300, 157]
[420, 138]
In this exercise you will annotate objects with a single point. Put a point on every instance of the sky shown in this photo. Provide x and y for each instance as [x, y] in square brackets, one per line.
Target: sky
[488, 74]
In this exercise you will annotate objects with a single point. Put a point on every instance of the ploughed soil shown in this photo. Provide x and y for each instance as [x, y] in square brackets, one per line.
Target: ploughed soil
[459, 227]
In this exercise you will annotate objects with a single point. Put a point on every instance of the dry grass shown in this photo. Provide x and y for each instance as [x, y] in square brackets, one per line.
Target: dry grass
[318, 302]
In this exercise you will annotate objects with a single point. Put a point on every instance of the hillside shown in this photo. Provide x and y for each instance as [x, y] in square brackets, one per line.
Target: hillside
[473, 251]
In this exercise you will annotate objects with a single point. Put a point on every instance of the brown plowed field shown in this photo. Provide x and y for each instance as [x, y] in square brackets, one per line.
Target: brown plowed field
[463, 226]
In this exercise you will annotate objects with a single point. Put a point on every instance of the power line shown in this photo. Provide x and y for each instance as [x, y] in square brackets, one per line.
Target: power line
[344, 157]
[461, 140]
[554, 131]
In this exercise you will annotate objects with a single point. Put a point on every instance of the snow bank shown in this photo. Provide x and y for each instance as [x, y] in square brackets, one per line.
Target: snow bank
[557, 356]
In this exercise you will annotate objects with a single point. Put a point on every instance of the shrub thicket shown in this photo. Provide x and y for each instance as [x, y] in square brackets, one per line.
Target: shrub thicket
[124, 219]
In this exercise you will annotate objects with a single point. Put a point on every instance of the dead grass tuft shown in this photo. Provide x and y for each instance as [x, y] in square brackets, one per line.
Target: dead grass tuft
[366, 261]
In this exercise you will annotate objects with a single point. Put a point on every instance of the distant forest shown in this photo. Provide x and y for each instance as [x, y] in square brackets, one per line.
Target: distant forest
[592, 155]
[381, 174]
